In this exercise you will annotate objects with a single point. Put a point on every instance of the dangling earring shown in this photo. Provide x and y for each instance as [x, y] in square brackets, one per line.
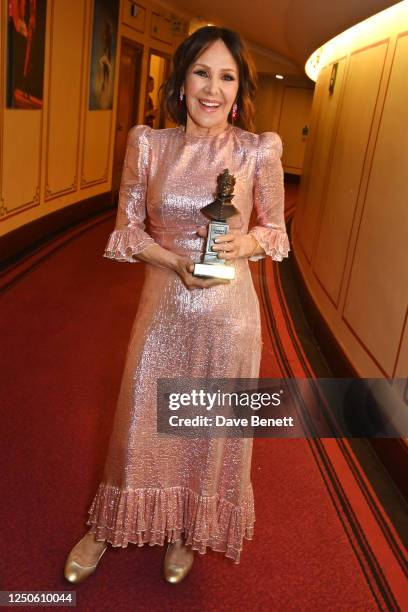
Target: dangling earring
[180, 101]
[234, 111]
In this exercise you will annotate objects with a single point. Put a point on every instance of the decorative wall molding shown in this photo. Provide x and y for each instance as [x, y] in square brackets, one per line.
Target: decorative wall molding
[90, 182]
[50, 194]
[72, 187]
[371, 353]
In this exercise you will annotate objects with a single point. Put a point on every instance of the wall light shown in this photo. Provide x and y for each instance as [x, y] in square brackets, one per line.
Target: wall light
[381, 24]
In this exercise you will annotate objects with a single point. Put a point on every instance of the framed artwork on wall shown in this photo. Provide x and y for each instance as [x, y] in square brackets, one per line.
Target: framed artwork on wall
[25, 53]
[104, 43]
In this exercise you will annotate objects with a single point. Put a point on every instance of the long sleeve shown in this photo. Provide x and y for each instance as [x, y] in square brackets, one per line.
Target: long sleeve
[129, 237]
[269, 199]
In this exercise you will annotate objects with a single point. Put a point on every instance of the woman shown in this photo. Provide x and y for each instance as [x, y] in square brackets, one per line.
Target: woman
[194, 492]
[151, 111]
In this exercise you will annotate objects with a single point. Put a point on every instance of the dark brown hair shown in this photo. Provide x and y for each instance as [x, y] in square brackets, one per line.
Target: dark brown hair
[185, 55]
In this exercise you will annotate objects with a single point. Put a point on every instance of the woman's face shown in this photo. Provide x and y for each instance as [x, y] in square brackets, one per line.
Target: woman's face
[211, 87]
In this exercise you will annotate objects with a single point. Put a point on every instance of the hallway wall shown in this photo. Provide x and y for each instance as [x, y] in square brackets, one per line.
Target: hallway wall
[62, 153]
[350, 231]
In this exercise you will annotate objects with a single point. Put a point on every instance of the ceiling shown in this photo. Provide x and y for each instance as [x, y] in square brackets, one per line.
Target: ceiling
[283, 33]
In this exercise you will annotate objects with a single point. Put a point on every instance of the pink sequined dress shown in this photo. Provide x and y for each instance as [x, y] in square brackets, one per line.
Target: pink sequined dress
[157, 487]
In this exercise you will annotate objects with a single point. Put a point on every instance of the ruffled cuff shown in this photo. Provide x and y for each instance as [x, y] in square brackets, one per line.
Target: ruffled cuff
[124, 243]
[274, 242]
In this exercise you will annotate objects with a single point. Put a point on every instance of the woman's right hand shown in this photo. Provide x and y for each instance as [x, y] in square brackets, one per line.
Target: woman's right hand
[181, 264]
[184, 268]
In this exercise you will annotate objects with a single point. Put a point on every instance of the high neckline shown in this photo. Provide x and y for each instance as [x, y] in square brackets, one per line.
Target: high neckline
[195, 137]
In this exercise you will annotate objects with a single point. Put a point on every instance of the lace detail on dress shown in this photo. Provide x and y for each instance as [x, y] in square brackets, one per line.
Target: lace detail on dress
[274, 242]
[149, 516]
[125, 243]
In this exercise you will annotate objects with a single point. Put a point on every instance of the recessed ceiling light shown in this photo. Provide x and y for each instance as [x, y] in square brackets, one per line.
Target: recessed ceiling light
[279, 76]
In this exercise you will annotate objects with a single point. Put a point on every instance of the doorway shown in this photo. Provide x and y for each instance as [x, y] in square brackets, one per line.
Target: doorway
[130, 66]
[159, 70]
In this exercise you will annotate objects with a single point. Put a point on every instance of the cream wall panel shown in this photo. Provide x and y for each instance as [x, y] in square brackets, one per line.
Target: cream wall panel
[66, 65]
[378, 291]
[264, 104]
[136, 21]
[95, 165]
[321, 152]
[350, 146]
[309, 152]
[161, 26]
[22, 141]
[267, 104]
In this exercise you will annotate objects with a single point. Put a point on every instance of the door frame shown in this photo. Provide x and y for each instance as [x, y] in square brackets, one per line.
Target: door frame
[136, 98]
[138, 79]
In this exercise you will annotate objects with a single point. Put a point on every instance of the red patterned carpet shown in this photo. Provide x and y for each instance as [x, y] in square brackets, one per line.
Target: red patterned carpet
[322, 539]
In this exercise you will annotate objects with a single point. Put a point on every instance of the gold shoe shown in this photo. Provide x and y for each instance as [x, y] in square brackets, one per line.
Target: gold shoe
[176, 572]
[74, 571]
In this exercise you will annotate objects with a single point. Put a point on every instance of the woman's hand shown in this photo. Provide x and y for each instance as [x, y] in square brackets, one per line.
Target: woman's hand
[184, 268]
[234, 246]
[181, 264]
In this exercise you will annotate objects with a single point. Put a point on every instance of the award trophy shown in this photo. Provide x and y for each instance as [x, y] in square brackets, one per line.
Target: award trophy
[221, 209]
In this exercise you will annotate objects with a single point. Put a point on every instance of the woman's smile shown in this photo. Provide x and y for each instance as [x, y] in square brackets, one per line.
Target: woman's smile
[209, 106]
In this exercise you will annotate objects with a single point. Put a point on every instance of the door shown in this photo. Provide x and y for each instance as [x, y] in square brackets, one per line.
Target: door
[128, 98]
[294, 126]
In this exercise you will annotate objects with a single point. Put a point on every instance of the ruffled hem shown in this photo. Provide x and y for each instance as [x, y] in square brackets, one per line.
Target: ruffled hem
[124, 243]
[274, 242]
[149, 516]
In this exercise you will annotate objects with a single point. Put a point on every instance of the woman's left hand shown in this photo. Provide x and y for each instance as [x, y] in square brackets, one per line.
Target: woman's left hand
[232, 246]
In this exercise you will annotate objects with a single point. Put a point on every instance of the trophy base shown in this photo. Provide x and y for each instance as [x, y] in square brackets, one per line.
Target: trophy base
[214, 271]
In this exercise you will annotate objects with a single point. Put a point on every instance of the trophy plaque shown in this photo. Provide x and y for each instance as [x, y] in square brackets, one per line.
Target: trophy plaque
[218, 211]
